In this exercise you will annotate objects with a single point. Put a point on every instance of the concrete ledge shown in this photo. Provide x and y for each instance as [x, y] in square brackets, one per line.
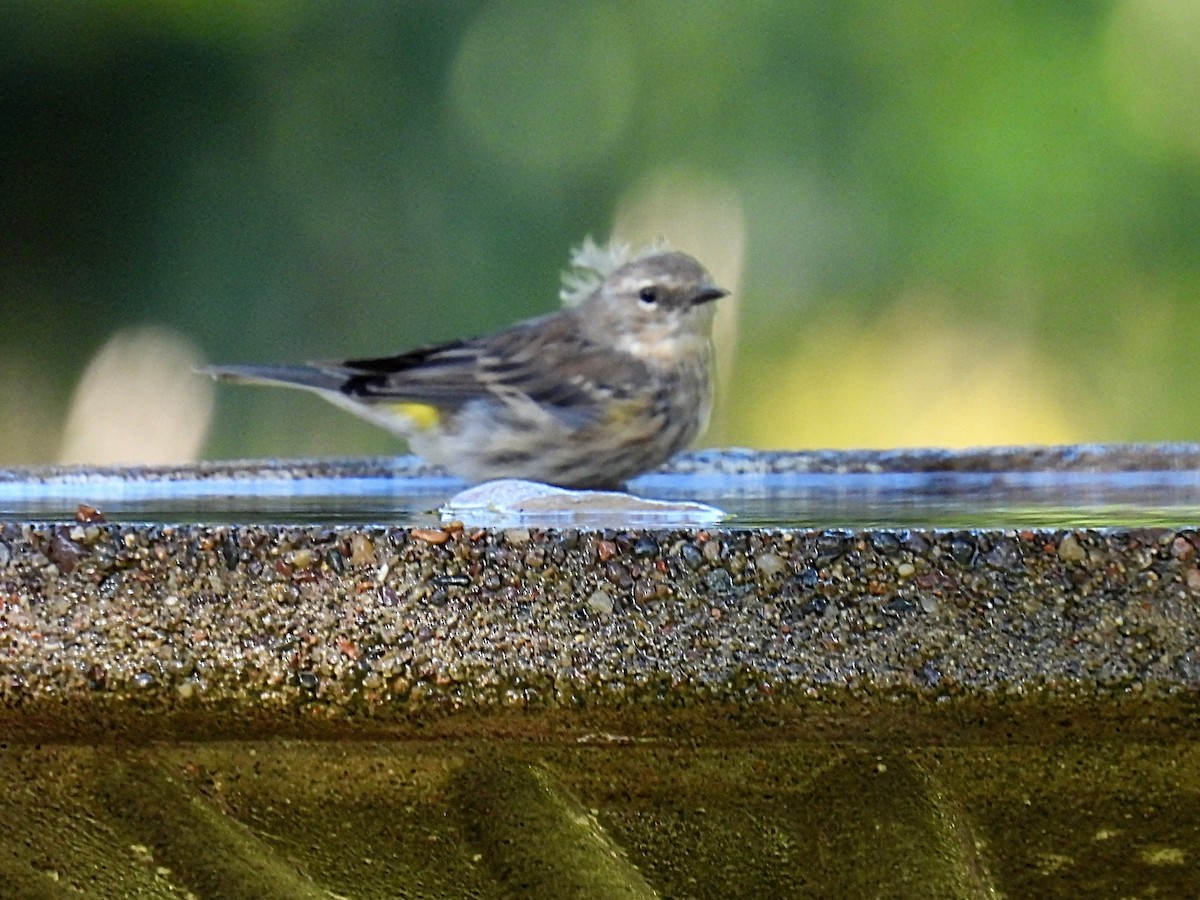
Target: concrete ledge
[440, 710]
[252, 630]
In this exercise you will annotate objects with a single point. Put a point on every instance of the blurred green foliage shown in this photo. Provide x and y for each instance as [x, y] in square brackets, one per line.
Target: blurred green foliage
[297, 180]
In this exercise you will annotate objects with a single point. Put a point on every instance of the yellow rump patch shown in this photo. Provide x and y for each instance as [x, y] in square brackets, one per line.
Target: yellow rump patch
[422, 415]
[624, 412]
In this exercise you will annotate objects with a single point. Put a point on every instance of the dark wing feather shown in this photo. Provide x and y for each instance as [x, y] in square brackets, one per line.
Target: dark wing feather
[545, 359]
[443, 374]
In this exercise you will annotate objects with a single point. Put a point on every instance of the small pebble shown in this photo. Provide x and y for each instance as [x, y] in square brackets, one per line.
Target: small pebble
[829, 545]
[431, 535]
[916, 544]
[600, 603]
[1070, 550]
[962, 550]
[85, 514]
[645, 546]
[1004, 555]
[230, 551]
[307, 680]
[691, 556]
[618, 574]
[517, 537]
[719, 581]
[362, 550]
[885, 542]
[769, 564]
[906, 570]
[65, 553]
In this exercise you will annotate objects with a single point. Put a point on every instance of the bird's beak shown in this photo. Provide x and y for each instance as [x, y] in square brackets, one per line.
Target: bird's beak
[708, 294]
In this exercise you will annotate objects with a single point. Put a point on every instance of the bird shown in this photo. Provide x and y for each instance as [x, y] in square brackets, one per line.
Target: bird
[586, 397]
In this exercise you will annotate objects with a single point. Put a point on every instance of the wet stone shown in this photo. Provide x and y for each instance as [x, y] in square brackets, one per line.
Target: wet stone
[807, 578]
[1182, 548]
[719, 581]
[307, 680]
[600, 603]
[65, 552]
[618, 574]
[644, 590]
[885, 542]
[900, 605]
[691, 556]
[431, 535]
[1004, 555]
[770, 565]
[362, 550]
[962, 550]
[1070, 550]
[645, 546]
[230, 551]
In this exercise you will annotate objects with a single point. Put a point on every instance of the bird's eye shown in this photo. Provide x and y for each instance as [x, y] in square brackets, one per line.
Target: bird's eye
[648, 295]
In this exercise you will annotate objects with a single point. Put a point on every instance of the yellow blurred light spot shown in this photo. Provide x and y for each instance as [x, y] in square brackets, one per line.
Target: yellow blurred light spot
[911, 378]
[139, 401]
[423, 415]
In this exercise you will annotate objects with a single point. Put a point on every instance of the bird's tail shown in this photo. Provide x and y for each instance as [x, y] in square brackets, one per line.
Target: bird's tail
[311, 378]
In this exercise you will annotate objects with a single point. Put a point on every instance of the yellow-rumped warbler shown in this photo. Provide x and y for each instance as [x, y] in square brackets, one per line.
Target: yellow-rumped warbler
[607, 388]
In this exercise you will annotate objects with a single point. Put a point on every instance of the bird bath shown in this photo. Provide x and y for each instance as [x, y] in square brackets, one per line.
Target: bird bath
[918, 673]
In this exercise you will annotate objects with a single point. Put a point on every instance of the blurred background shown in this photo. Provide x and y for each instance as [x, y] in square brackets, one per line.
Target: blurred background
[946, 224]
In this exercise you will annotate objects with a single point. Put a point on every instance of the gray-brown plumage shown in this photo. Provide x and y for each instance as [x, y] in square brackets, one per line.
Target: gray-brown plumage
[585, 397]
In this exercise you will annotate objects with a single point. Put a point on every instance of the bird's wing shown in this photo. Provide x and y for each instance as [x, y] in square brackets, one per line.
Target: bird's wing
[545, 360]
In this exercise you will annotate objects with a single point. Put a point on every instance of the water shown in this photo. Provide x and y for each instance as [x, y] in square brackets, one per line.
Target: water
[946, 499]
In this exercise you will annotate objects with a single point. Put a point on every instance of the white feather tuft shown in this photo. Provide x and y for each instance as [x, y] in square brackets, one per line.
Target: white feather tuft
[591, 263]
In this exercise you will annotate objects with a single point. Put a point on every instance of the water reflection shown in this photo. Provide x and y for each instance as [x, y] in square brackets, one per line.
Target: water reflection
[947, 499]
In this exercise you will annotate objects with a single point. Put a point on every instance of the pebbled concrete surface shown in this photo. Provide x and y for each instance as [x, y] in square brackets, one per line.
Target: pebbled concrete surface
[275, 710]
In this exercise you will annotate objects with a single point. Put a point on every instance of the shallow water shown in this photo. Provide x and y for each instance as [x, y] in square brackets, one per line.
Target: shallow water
[794, 500]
